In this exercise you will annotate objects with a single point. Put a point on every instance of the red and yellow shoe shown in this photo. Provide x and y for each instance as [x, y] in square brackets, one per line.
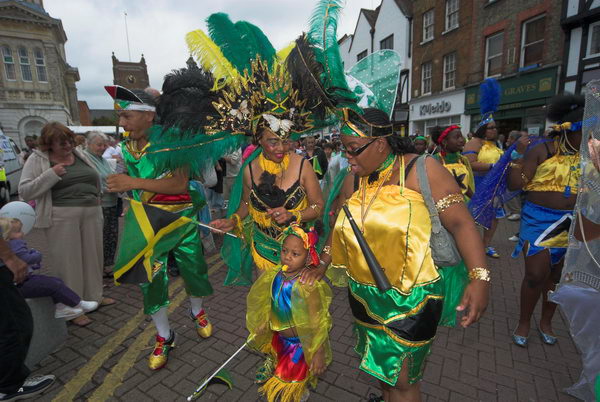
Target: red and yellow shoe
[203, 326]
[160, 355]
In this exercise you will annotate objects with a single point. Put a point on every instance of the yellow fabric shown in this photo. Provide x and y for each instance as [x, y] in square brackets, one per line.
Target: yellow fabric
[458, 169]
[556, 173]
[2, 174]
[489, 152]
[310, 315]
[397, 228]
[277, 390]
[273, 167]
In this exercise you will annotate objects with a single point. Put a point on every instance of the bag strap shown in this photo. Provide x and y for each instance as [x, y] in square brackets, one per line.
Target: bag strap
[436, 224]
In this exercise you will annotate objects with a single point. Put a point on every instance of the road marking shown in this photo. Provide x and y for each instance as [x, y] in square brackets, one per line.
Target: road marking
[84, 375]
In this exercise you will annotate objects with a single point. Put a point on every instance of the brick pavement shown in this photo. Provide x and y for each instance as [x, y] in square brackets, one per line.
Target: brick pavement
[479, 363]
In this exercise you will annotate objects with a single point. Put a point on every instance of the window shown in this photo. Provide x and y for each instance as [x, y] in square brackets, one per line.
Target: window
[40, 65]
[9, 64]
[449, 71]
[24, 62]
[428, 26]
[594, 40]
[493, 54]
[361, 55]
[426, 78]
[532, 41]
[387, 43]
[451, 14]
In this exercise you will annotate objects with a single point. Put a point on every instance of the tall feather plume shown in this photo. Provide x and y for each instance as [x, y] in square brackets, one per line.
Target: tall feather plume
[489, 96]
[186, 100]
[257, 41]
[211, 58]
[225, 35]
[283, 53]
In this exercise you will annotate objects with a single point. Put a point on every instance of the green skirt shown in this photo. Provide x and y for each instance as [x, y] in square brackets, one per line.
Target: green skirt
[391, 327]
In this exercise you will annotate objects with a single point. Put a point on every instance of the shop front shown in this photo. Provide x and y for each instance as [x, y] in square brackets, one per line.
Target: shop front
[438, 110]
[523, 102]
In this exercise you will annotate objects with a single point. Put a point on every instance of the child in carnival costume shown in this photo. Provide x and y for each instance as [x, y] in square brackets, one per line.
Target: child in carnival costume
[290, 320]
[168, 189]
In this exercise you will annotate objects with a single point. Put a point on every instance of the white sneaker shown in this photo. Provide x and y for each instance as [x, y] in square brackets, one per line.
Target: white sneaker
[88, 306]
[64, 311]
[513, 238]
[514, 217]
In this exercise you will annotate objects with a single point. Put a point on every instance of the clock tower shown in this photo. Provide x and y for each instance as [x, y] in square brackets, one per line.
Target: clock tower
[130, 75]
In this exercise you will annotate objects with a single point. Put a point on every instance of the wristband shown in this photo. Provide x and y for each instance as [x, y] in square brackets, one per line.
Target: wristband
[481, 274]
[515, 155]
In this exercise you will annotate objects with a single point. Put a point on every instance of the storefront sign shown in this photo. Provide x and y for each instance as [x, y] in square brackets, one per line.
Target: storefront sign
[435, 108]
[528, 87]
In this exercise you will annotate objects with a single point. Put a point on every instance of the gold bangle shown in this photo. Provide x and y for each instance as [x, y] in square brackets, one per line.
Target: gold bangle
[315, 207]
[327, 250]
[524, 178]
[448, 201]
[515, 165]
[481, 274]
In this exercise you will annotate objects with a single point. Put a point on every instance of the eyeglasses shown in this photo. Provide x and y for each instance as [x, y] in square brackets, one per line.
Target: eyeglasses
[358, 151]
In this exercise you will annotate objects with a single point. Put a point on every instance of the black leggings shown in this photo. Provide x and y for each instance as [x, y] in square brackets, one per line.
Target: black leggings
[16, 329]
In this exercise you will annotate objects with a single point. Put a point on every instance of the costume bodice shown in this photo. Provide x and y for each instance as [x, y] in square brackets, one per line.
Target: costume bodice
[460, 168]
[281, 302]
[489, 152]
[558, 173]
[397, 227]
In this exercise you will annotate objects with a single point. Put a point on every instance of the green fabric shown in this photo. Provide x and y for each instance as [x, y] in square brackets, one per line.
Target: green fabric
[338, 182]
[597, 388]
[381, 355]
[104, 170]
[78, 187]
[235, 252]
[456, 279]
[453, 157]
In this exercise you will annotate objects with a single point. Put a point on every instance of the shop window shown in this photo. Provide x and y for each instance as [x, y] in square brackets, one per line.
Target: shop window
[40, 65]
[449, 71]
[532, 41]
[593, 48]
[387, 43]
[361, 55]
[428, 25]
[24, 63]
[426, 78]
[9, 64]
[451, 14]
[493, 54]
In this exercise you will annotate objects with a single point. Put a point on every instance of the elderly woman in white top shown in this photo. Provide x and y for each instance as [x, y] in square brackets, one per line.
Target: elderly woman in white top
[97, 143]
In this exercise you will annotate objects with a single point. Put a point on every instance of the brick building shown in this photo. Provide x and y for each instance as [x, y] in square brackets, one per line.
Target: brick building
[129, 74]
[37, 84]
[442, 58]
[521, 44]
[581, 24]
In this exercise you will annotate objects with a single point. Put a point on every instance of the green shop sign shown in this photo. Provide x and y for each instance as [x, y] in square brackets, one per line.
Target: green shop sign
[526, 90]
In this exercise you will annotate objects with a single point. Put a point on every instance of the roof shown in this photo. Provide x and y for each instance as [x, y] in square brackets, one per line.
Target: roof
[371, 15]
[32, 6]
[405, 6]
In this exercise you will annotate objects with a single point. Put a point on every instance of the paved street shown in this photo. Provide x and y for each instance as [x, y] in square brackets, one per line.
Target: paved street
[107, 359]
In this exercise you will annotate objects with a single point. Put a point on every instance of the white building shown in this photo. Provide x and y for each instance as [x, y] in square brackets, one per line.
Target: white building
[581, 23]
[389, 26]
[37, 85]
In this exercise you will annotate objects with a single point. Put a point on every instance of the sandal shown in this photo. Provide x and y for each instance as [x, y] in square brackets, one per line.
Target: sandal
[265, 371]
[81, 321]
[107, 301]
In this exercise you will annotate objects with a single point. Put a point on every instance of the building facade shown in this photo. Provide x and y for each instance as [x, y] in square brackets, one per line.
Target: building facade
[389, 26]
[581, 25]
[129, 74]
[441, 62]
[37, 85]
[519, 43]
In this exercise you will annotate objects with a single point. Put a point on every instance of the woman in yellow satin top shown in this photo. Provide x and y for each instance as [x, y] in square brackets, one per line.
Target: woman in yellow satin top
[482, 152]
[548, 172]
[391, 213]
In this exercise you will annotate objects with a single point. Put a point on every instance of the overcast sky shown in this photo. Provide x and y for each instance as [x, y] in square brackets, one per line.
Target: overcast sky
[157, 28]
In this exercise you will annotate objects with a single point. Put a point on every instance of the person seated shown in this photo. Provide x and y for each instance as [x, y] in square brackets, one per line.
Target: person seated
[68, 304]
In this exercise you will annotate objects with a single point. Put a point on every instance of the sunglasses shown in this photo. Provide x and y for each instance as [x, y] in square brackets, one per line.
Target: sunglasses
[358, 151]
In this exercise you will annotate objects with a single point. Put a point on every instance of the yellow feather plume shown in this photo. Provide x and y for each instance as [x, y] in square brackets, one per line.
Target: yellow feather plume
[283, 53]
[211, 58]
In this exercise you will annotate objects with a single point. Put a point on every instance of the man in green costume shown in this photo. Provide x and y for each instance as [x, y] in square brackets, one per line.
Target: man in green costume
[168, 191]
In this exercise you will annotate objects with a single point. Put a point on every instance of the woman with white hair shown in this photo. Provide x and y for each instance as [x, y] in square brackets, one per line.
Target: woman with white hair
[97, 142]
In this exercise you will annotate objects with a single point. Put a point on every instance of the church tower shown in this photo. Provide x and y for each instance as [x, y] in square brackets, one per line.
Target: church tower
[130, 75]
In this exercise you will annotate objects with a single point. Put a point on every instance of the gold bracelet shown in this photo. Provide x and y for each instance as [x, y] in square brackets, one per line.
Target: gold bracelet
[515, 165]
[316, 208]
[482, 274]
[448, 201]
[524, 178]
[327, 250]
